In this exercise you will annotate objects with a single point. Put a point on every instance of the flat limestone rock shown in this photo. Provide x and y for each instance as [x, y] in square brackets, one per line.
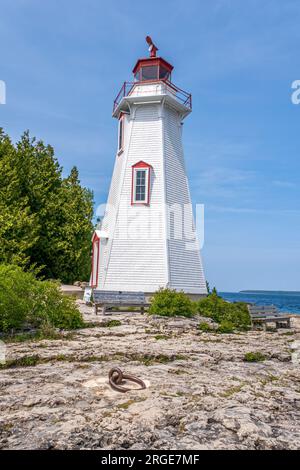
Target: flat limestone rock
[200, 393]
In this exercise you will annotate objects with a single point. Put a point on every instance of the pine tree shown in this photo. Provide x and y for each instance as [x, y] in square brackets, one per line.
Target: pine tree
[18, 226]
[76, 229]
[46, 220]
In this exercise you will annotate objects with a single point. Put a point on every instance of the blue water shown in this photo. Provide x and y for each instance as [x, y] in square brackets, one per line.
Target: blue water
[284, 301]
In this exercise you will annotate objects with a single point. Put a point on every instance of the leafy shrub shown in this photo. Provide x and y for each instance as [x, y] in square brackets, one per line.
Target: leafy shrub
[225, 327]
[170, 303]
[203, 326]
[55, 308]
[26, 301]
[219, 310]
[16, 296]
[254, 357]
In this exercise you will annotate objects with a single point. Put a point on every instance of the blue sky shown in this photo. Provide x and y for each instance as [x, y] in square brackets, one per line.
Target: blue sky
[64, 61]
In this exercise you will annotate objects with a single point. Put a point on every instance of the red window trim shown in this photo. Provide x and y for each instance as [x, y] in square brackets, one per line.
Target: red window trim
[96, 240]
[142, 165]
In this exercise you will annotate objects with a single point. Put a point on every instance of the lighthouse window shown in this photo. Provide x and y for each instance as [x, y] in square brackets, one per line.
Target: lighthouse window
[150, 72]
[121, 134]
[140, 185]
[163, 73]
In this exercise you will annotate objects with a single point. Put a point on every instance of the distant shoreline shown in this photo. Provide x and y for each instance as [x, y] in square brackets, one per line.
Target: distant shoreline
[285, 301]
[292, 292]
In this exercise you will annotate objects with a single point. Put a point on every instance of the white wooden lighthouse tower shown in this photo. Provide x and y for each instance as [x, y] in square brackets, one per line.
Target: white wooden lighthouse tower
[147, 238]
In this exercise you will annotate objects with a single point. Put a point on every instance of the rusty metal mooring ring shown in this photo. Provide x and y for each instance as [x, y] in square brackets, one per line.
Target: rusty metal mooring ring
[116, 378]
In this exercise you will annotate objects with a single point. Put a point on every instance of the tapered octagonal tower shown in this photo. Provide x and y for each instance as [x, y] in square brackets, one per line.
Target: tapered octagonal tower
[147, 237]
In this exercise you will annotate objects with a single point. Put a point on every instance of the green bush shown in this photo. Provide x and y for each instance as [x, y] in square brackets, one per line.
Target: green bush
[203, 326]
[26, 301]
[225, 327]
[254, 357]
[170, 303]
[219, 310]
[16, 297]
[55, 308]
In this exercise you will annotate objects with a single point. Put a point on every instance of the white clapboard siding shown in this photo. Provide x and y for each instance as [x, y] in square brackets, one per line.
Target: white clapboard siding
[148, 260]
[185, 265]
[139, 263]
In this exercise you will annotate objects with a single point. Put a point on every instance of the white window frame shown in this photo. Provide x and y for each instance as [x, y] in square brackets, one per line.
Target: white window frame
[147, 178]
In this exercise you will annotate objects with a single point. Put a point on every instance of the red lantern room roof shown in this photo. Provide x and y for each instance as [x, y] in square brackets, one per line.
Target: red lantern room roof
[152, 68]
[152, 61]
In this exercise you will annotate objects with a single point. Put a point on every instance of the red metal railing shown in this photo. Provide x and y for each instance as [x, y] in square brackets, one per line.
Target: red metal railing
[182, 96]
[125, 89]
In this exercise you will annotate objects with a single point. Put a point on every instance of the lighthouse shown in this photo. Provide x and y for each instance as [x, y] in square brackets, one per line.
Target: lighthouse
[147, 237]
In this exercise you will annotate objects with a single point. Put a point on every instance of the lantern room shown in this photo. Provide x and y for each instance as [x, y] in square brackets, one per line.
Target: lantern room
[152, 69]
[152, 80]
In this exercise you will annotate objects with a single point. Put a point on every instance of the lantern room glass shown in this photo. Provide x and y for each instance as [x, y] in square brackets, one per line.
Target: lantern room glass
[152, 72]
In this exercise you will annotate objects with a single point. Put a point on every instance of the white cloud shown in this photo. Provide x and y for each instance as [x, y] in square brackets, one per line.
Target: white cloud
[285, 184]
[221, 182]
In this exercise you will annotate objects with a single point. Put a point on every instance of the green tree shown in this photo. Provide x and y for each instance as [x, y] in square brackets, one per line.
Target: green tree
[46, 219]
[74, 243]
[18, 234]
[18, 226]
[40, 181]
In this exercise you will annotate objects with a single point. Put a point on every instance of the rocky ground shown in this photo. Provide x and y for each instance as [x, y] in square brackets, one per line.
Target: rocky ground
[201, 394]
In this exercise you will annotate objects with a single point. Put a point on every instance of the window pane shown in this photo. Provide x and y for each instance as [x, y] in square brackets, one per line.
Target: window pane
[163, 73]
[120, 134]
[140, 185]
[150, 72]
